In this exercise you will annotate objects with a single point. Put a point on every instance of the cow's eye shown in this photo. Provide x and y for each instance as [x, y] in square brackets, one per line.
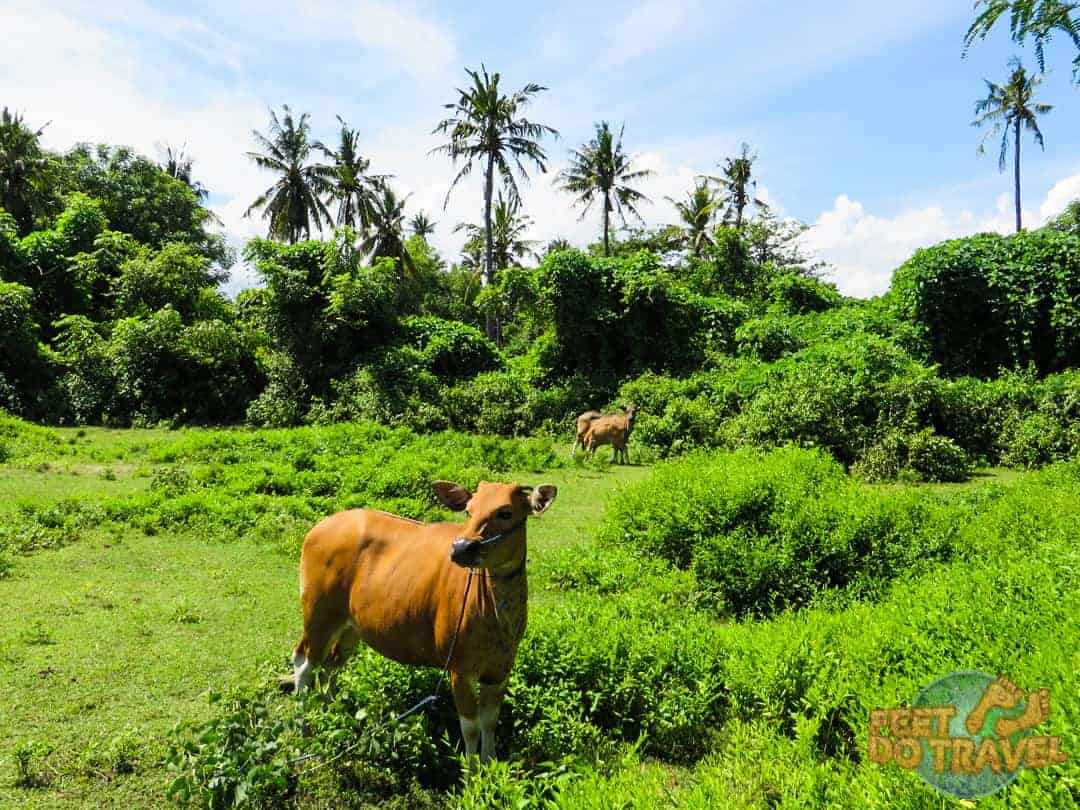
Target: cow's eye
[505, 514]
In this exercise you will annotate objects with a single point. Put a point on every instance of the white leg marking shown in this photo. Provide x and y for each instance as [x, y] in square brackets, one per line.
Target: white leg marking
[488, 718]
[470, 732]
[302, 674]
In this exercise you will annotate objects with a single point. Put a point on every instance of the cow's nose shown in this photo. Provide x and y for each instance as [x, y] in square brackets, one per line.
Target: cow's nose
[459, 551]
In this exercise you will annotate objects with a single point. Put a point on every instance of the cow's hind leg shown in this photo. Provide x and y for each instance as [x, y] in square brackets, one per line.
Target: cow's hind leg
[487, 714]
[321, 628]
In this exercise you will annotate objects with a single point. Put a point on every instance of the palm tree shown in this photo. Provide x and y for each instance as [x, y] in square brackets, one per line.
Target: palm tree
[486, 126]
[21, 162]
[386, 230]
[508, 229]
[421, 226]
[1039, 19]
[472, 255]
[697, 213]
[179, 164]
[1011, 107]
[351, 185]
[556, 244]
[602, 169]
[294, 203]
[735, 185]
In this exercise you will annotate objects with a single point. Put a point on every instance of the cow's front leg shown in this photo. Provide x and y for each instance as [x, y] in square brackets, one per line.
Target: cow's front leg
[491, 698]
[465, 701]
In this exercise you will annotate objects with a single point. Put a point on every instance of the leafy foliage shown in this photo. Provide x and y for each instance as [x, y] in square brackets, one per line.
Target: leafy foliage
[989, 302]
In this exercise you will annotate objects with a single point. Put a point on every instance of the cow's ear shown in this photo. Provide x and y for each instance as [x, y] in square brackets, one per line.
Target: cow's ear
[453, 496]
[542, 497]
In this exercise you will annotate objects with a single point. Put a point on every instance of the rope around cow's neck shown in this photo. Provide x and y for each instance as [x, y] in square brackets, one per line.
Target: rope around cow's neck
[423, 704]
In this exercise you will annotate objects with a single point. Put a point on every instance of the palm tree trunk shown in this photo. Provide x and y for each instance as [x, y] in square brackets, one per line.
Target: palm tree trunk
[1016, 172]
[607, 213]
[489, 272]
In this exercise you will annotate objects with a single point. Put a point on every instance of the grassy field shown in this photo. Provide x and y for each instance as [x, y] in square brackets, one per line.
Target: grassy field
[709, 632]
[118, 636]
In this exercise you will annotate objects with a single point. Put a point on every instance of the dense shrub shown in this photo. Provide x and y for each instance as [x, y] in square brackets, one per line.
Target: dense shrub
[766, 532]
[838, 395]
[798, 294]
[924, 455]
[451, 350]
[769, 337]
[681, 414]
[937, 458]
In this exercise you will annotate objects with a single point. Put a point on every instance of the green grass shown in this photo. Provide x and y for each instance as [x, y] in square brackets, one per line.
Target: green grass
[115, 638]
[123, 627]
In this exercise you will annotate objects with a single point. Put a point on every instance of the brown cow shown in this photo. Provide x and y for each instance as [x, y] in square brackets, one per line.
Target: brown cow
[613, 429]
[583, 423]
[398, 585]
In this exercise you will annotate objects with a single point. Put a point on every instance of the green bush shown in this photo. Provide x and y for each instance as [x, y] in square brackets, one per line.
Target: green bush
[925, 455]
[768, 338]
[621, 315]
[1036, 439]
[839, 395]
[798, 294]
[937, 458]
[766, 532]
[451, 350]
[683, 414]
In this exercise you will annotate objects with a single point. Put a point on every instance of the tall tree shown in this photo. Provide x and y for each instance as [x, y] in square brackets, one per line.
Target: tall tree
[350, 184]
[22, 161]
[1038, 19]
[696, 213]
[602, 169]
[385, 235]
[508, 229]
[420, 225]
[293, 204]
[1009, 108]
[179, 164]
[736, 183]
[486, 126]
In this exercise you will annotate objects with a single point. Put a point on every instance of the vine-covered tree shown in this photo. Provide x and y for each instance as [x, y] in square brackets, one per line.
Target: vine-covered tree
[293, 204]
[601, 169]
[486, 126]
[1009, 108]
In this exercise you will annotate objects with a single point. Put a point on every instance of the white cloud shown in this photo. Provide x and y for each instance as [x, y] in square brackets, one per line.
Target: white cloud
[864, 248]
[1062, 193]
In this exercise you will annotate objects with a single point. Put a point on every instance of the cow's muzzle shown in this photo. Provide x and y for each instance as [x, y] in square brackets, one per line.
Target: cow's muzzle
[464, 552]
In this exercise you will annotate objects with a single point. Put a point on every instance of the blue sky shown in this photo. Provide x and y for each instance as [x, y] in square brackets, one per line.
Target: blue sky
[861, 120]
